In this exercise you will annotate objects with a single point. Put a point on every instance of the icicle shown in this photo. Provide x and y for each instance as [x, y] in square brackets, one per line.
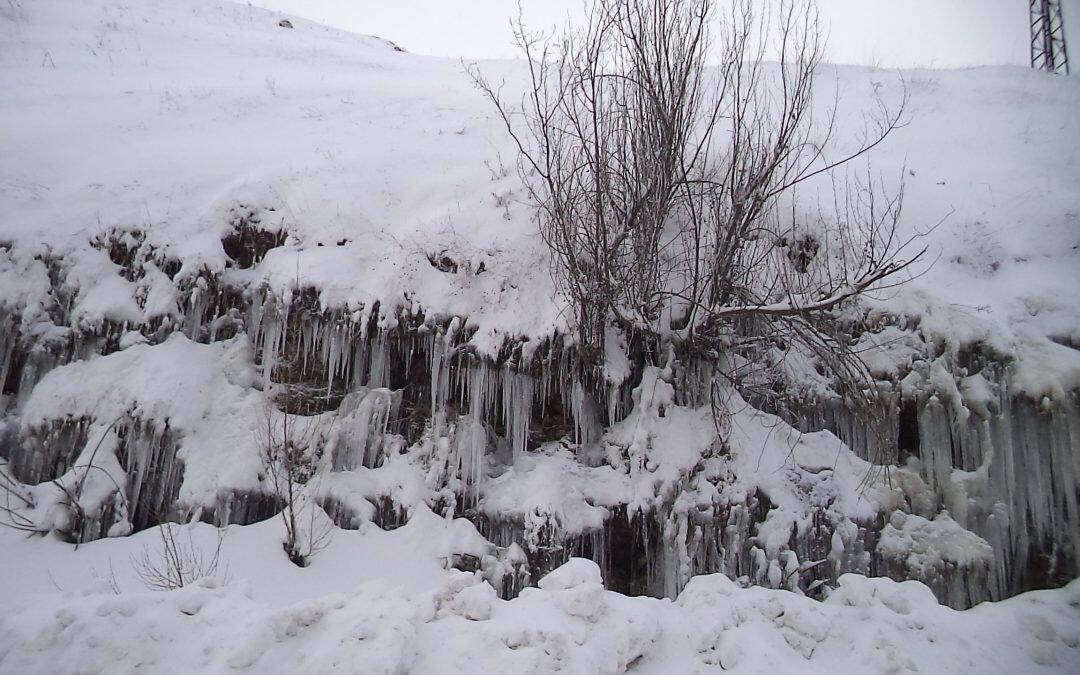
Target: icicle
[362, 428]
[378, 375]
[9, 334]
[517, 393]
[470, 440]
[441, 347]
[587, 427]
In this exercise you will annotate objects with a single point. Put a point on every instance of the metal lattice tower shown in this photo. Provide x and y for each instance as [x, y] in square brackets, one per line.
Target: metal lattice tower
[1048, 37]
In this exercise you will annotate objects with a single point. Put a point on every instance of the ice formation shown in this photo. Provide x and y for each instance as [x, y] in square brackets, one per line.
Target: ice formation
[404, 411]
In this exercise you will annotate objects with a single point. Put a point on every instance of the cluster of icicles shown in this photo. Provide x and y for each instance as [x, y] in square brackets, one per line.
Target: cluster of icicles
[1008, 473]
[1001, 465]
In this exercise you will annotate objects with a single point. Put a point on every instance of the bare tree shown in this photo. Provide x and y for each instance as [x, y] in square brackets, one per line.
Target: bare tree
[293, 447]
[176, 563]
[667, 190]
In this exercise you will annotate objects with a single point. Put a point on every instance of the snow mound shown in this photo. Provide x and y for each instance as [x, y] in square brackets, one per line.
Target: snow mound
[925, 545]
[575, 572]
[866, 625]
[202, 392]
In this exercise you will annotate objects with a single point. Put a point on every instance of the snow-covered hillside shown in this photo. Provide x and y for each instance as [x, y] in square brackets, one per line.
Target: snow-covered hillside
[201, 209]
[167, 117]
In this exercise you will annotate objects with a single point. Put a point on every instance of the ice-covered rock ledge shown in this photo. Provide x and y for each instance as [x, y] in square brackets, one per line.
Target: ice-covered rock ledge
[655, 498]
[171, 399]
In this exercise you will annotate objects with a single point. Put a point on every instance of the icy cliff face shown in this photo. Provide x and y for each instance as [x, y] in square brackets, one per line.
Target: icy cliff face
[973, 442]
[402, 412]
[335, 246]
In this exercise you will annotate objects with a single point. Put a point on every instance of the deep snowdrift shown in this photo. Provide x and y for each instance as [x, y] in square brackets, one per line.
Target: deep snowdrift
[378, 602]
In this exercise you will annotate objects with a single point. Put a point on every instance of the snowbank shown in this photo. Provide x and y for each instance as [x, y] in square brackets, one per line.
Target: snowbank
[568, 624]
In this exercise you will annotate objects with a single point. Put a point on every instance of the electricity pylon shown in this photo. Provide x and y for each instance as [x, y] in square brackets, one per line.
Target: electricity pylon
[1048, 37]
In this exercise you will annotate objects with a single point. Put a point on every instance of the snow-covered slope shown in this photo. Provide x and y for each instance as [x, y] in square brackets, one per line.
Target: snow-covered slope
[199, 205]
[166, 116]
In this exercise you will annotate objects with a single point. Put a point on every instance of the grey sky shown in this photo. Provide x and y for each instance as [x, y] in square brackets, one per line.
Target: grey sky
[889, 33]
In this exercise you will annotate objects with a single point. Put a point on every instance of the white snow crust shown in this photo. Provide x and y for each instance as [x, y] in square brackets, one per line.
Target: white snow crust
[380, 602]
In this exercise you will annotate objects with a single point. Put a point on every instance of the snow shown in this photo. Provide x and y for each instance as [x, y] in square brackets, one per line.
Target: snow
[576, 572]
[342, 614]
[411, 556]
[139, 134]
[200, 391]
[555, 487]
[341, 136]
[924, 544]
[204, 90]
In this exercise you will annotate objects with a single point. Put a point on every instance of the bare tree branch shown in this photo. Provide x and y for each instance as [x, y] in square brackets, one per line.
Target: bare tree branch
[668, 192]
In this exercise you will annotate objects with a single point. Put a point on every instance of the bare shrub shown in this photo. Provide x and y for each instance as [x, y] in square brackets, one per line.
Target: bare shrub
[18, 503]
[293, 449]
[176, 562]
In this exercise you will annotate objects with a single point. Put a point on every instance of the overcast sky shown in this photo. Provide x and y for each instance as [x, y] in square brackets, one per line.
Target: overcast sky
[888, 33]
